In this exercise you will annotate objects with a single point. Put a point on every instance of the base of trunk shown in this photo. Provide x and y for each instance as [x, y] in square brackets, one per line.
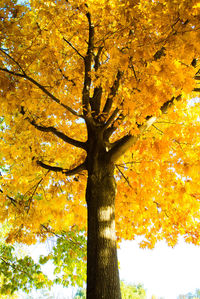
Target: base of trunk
[102, 267]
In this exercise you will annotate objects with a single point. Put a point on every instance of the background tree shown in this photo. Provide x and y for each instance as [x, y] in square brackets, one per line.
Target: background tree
[17, 270]
[4, 230]
[80, 294]
[129, 291]
[94, 93]
[191, 295]
[21, 272]
[68, 256]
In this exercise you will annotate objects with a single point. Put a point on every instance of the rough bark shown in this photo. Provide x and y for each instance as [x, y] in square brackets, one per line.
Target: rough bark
[102, 265]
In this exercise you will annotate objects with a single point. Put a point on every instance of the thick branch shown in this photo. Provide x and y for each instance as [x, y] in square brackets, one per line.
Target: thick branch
[160, 53]
[41, 88]
[169, 103]
[110, 130]
[114, 89]
[96, 59]
[56, 132]
[196, 89]
[119, 147]
[88, 64]
[111, 118]
[67, 172]
[122, 145]
[95, 101]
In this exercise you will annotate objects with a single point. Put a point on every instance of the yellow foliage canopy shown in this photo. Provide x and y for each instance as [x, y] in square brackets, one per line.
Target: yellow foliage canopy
[131, 66]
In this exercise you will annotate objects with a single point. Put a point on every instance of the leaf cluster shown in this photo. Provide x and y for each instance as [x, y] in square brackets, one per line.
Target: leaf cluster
[69, 258]
[19, 273]
[119, 74]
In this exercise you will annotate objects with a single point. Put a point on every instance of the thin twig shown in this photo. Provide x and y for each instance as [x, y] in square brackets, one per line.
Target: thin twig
[126, 179]
[73, 48]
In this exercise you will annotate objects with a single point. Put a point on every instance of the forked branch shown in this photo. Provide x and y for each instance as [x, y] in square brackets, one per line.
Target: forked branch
[119, 147]
[114, 89]
[111, 118]
[110, 130]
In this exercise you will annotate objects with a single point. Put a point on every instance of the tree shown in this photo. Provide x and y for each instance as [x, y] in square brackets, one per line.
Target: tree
[80, 294]
[129, 291]
[94, 93]
[192, 295]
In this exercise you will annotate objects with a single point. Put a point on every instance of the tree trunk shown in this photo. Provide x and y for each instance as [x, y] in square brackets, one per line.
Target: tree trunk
[102, 265]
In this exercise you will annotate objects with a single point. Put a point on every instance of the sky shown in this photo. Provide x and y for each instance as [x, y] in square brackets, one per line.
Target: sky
[164, 271]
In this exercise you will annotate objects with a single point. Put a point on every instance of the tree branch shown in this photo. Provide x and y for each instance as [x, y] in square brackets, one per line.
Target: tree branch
[197, 77]
[88, 64]
[73, 48]
[11, 58]
[126, 179]
[96, 59]
[109, 131]
[196, 89]
[25, 76]
[160, 53]
[111, 118]
[55, 132]
[35, 187]
[119, 147]
[169, 103]
[67, 78]
[12, 265]
[114, 89]
[15, 202]
[95, 101]
[70, 240]
[10, 198]
[41, 87]
[67, 172]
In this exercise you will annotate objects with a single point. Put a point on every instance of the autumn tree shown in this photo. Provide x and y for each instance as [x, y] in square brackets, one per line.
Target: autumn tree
[95, 93]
